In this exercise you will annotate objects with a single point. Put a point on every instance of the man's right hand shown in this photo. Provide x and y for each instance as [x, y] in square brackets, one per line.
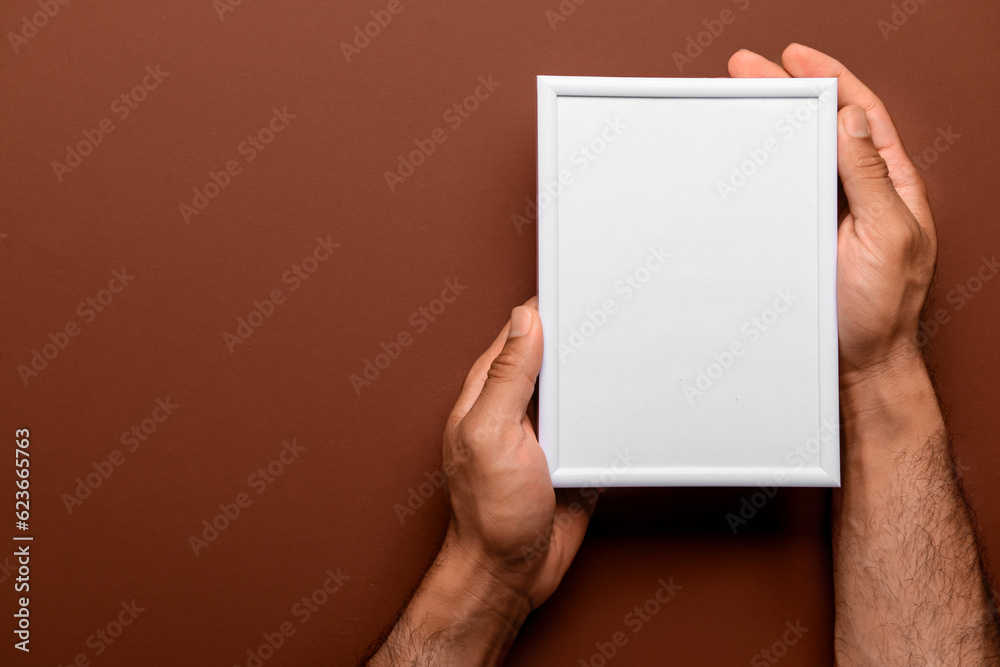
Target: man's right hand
[909, 581]
[886, 246]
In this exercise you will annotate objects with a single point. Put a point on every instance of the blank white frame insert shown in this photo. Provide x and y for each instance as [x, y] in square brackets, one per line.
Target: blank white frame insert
[687, 269]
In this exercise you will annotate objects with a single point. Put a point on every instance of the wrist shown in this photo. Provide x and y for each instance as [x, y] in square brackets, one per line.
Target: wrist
[482, 574]
[475, 604]
[888, 409]
[861, 364]
[897, 377]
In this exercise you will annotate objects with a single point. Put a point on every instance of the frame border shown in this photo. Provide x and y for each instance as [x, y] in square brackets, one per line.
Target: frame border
[824, 90]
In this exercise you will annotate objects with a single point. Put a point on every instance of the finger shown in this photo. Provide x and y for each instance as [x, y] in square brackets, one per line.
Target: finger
[476, 377]
[577, 501]
[747, 64]
[574, 507]
[870, 192]
[510, 380]
[802, 61]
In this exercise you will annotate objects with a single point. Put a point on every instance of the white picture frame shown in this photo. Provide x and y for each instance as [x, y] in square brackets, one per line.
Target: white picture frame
[687, 240]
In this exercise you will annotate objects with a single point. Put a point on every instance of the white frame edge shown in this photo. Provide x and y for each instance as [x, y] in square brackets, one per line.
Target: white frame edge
[550, 88]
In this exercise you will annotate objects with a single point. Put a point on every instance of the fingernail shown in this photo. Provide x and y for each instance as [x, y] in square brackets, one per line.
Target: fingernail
[856, 123]
[520, 322]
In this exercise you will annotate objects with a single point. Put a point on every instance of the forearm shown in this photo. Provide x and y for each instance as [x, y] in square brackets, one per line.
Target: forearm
[459, 615]
[909, 581]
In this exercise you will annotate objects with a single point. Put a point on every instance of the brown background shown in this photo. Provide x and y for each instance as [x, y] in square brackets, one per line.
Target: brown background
[323, 175]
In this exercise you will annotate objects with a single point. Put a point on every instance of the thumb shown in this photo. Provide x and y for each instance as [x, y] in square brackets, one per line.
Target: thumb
[870, 193]
[510, 380]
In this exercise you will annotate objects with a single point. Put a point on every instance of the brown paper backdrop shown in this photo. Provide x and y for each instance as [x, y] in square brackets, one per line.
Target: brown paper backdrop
[331, 507]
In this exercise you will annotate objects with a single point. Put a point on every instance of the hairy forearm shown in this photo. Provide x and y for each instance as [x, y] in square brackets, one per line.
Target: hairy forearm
[459, 615]
[909, 581]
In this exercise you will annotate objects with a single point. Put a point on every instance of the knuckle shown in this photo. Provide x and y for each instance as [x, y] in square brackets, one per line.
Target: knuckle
[876, 107]
[909, 176]
[924, 252]
[871, 166]
[505, 368]
[452, 426]
[473, 432]
[457, 452]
